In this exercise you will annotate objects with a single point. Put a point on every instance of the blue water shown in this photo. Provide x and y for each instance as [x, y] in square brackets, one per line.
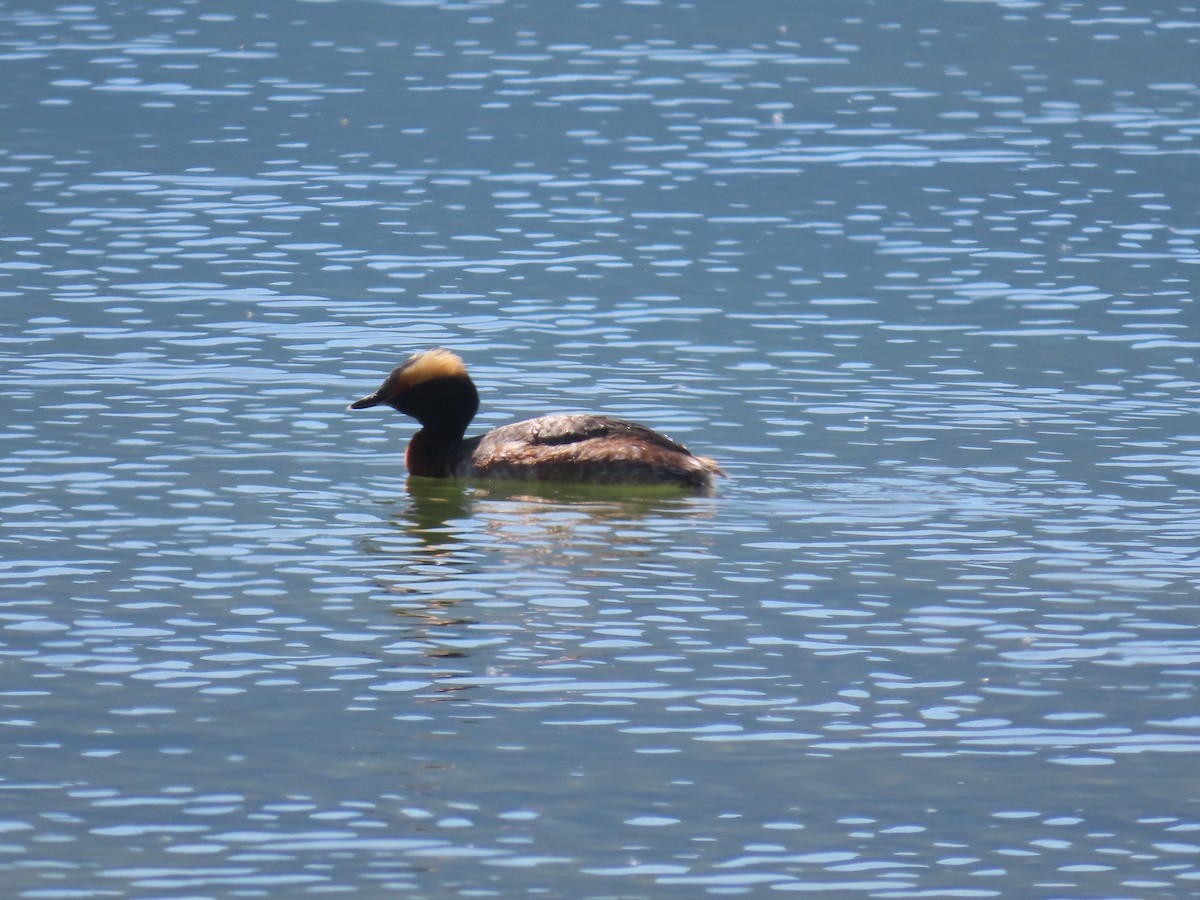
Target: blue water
[921, 276]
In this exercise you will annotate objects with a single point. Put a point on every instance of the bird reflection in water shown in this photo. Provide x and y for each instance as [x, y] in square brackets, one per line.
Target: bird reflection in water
[460, 553]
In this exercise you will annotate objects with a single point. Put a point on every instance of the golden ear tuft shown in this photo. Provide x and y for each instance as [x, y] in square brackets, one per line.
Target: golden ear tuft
[436, 363]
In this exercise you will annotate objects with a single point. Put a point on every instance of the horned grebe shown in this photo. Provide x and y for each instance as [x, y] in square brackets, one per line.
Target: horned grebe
[434, 388]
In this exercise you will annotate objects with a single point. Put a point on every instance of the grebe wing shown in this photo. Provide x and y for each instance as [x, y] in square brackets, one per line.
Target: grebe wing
[573, 428]
[563, 435]
[588, 447]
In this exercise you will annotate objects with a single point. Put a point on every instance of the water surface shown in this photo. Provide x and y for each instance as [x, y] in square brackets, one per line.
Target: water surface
[921, 278]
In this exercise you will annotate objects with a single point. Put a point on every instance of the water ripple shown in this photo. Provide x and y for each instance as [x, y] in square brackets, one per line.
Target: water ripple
[921, 283]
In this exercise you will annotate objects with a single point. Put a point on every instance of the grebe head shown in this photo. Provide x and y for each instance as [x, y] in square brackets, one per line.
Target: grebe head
[434, 388]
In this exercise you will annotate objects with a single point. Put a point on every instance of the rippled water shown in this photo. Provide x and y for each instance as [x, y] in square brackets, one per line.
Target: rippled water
[921, 276]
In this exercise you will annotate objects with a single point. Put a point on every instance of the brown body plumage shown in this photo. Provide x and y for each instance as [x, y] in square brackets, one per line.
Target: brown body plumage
[434, 388]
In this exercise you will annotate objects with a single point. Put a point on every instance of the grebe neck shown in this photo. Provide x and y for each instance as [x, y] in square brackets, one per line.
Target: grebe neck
[433, 452]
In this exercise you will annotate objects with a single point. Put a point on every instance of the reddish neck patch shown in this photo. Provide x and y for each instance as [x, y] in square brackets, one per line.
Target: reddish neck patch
[421, 457]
